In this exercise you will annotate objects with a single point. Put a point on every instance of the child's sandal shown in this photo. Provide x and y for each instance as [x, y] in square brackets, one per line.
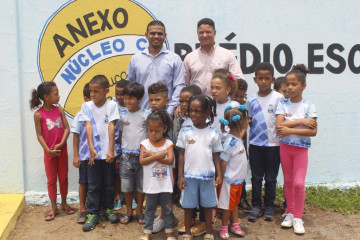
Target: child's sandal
[186, 237]
[209, 237]
[236, 229]
[224, 234]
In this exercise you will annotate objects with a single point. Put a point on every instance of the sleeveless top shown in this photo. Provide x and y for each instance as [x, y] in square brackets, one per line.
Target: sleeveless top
[52, 126]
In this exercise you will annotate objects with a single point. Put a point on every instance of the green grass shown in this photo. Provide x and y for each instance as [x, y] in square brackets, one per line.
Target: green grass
[345, 201]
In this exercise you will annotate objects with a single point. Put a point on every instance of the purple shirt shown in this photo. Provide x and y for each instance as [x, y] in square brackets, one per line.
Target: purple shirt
[199, 66]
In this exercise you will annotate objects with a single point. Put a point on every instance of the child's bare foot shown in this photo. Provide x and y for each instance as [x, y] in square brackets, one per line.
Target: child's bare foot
[66, 208]
[51, 215]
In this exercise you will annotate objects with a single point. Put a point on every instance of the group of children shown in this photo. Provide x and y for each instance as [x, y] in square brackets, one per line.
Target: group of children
[203, 151]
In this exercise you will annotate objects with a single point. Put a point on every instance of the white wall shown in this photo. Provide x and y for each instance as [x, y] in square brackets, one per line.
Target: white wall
[335, 151]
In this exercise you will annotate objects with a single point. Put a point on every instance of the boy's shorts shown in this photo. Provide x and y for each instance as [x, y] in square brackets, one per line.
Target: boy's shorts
[83, 179]
[195, 189]
[117, 164]
[229, 195]
[131, 173]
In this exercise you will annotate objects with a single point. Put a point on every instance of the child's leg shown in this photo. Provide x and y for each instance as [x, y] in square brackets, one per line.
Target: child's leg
[108, 185]
[272, 163]
[287, 168]
[188, 219]
[208, 200]
[150, 209]
[167, 209]
[208, 220]
[82, 195]
[139, 191]
[51, 174]
[256, 157]
[62, 167]
[83, 184]
[95, 186]
[299, 172]
[117, 182]
[225, 217]
[128, 201]
[127, 175]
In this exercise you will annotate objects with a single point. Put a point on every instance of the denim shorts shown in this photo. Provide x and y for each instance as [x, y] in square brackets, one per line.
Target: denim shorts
[131, 173]
[83, 179]
[199, 191]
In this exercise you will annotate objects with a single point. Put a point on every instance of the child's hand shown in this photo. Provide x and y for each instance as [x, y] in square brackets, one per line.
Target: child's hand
[177, 112]
[218, 181]
[283, 131]
[310, 122]
[110, 157]
[53, 152]
[76, 162]
[58, 146]
[161, 155]
[147, 153]
[93, 155]
[181, 183]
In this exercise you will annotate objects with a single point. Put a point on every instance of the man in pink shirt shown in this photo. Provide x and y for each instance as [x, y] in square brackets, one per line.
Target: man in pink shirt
[200, 64]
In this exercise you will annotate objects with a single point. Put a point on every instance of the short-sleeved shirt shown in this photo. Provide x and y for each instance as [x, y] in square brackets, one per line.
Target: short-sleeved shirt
[100, 118]
[199, 145]
[158, 177]
[134, 130]
[79, 128]
[234, 154]
[263, 119]
[294, 111]
[200, 65]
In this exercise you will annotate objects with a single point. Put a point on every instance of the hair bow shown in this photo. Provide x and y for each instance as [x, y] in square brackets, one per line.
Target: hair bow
[228, 107]
[236, 118]
[224, 121]
[231, 77]
[242, 107]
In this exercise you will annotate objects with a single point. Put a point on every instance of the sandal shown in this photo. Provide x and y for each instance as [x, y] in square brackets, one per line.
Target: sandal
[186, 237]
[144, 238]
[170, 238]
[51, 216]
[209, 237]
[68, 210]
[126, 219]
[224, 234]
[236, 229]
[140, 219]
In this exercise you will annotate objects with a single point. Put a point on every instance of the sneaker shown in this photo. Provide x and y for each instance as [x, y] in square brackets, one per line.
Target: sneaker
[269, 213]
[81, 218]
[110, 216]
[288, 221]
[198, 229]
[134, 204]
[158, 225]
[117, 204]
[92, 220]
[181, 226]
[298, 225]
[254, 214]
[245, 206]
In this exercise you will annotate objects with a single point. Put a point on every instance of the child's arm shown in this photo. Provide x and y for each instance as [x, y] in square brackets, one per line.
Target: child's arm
[145, 159]
[76, 139]
[110, 153]
[89, 134]
[284, 129]
[66, 130]
[38, 129]
[216, 159]
[169, 159]
[181, 179]
[223, 165]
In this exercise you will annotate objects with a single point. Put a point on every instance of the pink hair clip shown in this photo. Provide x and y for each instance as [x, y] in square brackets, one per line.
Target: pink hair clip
[231, 78]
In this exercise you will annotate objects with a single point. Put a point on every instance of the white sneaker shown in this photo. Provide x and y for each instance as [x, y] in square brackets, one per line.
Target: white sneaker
[158, 225]
[298, 226]
[288, 221]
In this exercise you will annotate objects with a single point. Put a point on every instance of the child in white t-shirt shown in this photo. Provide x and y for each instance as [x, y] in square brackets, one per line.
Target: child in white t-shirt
[199, 147]
[157, 159]
[233, 169]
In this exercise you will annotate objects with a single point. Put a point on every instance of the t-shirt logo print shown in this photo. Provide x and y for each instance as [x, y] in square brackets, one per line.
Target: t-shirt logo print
[159, 170]
[271, 108]
[106, 121]
[51, 124]
[191, 141]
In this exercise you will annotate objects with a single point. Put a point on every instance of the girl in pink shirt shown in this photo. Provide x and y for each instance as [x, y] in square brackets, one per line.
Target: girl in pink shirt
[52, 130]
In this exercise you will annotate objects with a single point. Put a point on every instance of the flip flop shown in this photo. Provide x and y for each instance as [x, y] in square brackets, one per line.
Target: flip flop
[69, 210]
[140, 219]
[50, 216]
[127, 219]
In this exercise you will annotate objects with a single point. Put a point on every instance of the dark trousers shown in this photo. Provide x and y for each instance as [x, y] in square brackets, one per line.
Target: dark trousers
[100, 186]
[264, 162]
[152, 200]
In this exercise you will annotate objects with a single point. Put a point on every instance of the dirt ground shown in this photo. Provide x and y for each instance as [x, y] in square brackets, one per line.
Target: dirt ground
[318, 225]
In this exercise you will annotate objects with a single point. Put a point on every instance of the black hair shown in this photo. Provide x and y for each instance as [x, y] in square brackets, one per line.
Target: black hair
[155, 23]
[86, 90]
[278, 82]
[207, 104]
[161, 115]
[158, 87]
[134, 89]
[101, 80]
[227, 78]
[300, 70]
[193, 89]
[122, 83]
[206, 21]
[264, 66]
[242, 84]
[37, 95]
[230, 114]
